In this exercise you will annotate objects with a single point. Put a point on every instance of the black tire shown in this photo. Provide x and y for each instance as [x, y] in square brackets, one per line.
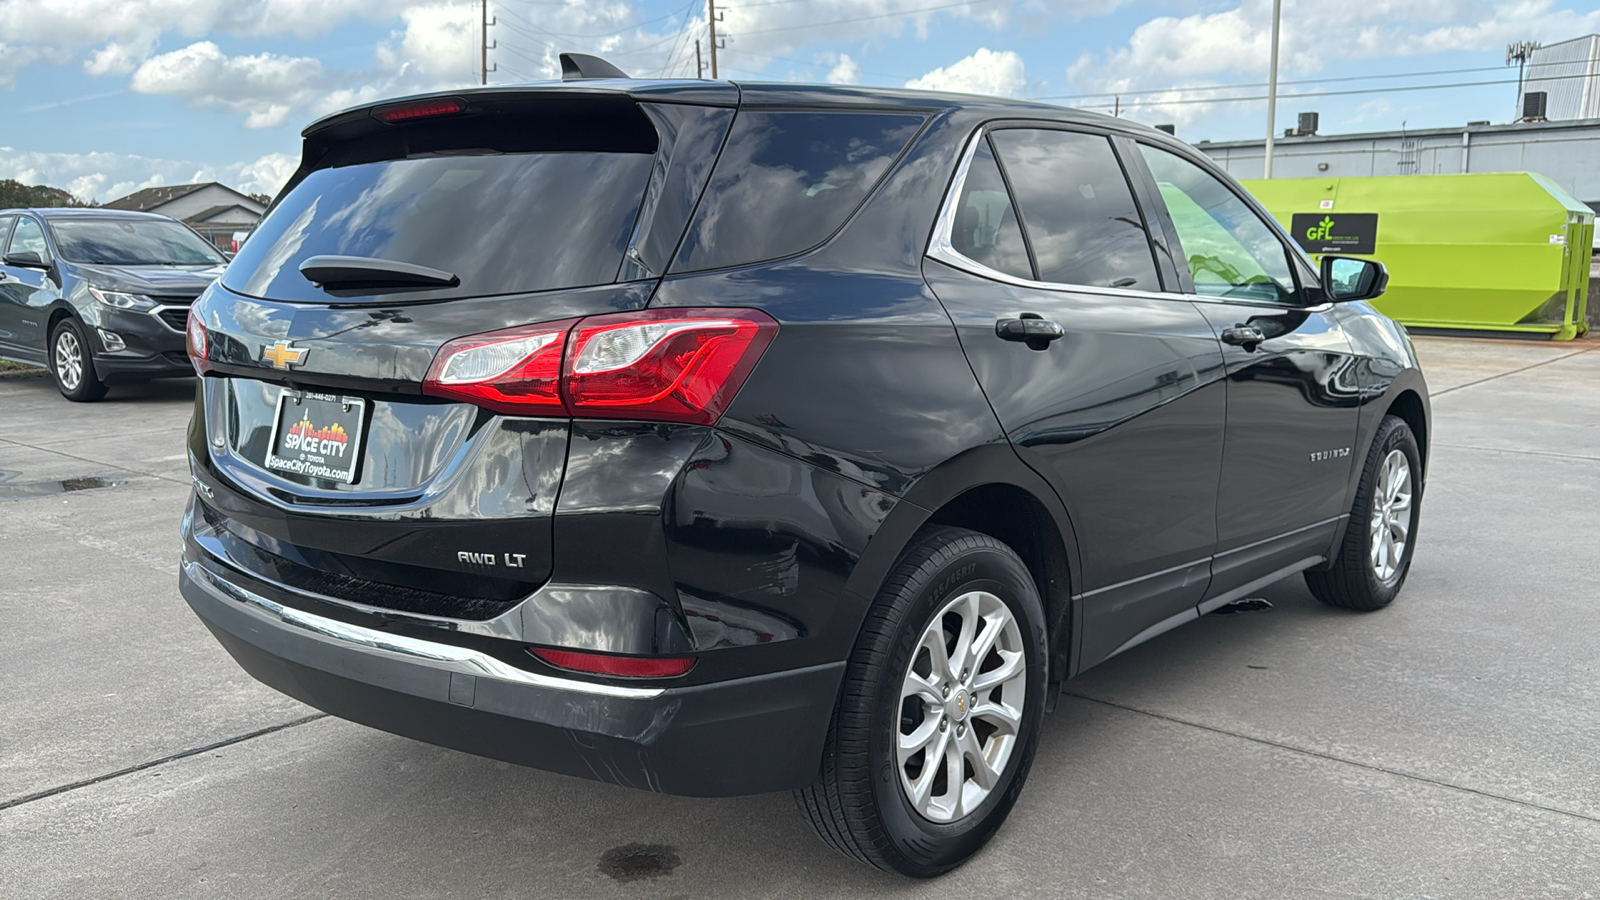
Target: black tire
[1352, 581]
[85, 383]
[858, 806]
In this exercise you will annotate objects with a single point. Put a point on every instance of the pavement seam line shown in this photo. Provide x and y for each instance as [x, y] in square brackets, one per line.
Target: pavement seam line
[1409, 776]
[1544, 453]
[95, 462]
[1544, 362]
[140, 767]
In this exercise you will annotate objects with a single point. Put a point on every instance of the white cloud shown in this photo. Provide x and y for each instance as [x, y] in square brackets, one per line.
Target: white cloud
[997, 73]
[265, 86]
[103, 176]
[845, 71]
[1174, 55]
[117, 57]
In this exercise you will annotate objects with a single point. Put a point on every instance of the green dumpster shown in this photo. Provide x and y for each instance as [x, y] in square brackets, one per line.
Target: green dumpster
[1505, 252]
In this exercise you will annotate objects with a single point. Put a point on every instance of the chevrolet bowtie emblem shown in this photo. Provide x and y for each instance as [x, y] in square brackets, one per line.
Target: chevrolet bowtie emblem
[282, 356]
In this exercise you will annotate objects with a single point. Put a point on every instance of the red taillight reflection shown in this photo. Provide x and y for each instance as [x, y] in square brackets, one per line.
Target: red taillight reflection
[623, 666]
[666, 365]
[420, 110]
[195, 344]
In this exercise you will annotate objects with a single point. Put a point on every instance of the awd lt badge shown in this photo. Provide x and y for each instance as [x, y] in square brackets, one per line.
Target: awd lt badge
[282, 355]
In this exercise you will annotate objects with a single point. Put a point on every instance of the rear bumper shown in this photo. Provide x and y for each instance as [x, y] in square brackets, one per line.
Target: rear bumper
[741, 736]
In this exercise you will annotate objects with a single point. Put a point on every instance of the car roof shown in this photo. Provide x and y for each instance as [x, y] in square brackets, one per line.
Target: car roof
[82, 212]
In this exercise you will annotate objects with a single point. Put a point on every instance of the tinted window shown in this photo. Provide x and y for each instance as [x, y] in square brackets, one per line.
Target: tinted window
[5, 230]
[137, 242]
[1077, 209]
[502, 223]
[985, 228]
[786, 180]
[1230, 251]
[29, 237]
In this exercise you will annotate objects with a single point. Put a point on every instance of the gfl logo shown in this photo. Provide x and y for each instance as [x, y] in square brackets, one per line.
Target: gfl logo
[1321, 231]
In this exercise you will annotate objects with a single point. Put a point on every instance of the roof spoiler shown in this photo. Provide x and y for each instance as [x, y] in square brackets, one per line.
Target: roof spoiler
[581, 66]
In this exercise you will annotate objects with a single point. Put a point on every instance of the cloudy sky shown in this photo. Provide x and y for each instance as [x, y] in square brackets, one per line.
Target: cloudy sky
[107, 96]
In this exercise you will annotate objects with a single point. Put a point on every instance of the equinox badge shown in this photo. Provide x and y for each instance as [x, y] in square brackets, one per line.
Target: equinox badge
[282, 356]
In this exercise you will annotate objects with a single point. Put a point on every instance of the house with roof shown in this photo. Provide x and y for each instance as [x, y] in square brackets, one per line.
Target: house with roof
[215, 210]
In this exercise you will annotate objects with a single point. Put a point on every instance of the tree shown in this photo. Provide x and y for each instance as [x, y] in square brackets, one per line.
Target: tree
[15, 194]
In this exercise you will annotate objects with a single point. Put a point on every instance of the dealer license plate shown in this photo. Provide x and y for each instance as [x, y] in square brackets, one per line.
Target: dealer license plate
[317, 435]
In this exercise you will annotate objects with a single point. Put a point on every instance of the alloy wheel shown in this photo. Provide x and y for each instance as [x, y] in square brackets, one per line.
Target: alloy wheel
[69, 359]
[961, 706]
[1391, 516]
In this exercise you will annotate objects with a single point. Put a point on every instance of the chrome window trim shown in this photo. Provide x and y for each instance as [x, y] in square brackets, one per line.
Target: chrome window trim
[941, 249]
[444, 657]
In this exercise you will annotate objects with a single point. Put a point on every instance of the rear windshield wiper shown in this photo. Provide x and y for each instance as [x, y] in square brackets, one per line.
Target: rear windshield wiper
[354, 272]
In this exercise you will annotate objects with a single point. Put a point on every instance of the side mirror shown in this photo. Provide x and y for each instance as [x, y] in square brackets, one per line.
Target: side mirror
[26, 259]
[1346, 278]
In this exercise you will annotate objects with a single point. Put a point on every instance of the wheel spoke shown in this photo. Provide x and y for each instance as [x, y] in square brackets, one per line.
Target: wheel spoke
[923, 788]
[1011, 665]
[961, 658]
[1398, 528]
[920, 737]
[933, 641]
[923, 689]
[983, 774]
[1007, 719]
[955, 777]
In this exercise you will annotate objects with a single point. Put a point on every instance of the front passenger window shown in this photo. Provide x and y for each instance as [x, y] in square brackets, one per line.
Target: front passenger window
[1230, 251]
[29, 236]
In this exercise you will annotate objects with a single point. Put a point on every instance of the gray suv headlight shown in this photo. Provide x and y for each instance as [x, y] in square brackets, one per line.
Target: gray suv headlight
[121, 300]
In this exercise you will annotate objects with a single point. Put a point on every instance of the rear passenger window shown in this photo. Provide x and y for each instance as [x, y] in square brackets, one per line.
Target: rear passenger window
[786, 180]
[985, 229]
[1077, 209]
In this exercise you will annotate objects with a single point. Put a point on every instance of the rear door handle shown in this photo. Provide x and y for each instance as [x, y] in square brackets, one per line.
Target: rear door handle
[1029, 329]
[1246, 336]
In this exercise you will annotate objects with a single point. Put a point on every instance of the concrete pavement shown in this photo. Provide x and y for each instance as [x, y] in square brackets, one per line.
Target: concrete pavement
[1444, 747]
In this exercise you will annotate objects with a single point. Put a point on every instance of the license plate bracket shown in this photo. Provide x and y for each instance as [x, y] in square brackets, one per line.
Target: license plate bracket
[317, 435]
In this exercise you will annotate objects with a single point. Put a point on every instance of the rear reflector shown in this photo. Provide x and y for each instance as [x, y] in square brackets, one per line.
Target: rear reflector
[624, 666]
[420, 110]
[654, 365]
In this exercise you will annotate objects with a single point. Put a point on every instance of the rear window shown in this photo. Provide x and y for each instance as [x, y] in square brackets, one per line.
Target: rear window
[787, 179]
[502, 223]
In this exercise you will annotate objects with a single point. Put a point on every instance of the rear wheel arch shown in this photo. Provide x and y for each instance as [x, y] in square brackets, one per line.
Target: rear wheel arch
[990, 491]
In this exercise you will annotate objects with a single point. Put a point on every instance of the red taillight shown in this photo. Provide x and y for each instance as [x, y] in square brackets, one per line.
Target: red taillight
[420, 110]
[195, 343]
[673, 365]
[660, 365]
[623, 666]
[517, 370]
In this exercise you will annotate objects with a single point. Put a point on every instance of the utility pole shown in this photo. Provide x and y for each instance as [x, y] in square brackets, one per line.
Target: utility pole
[1272, 88]
[484, 46]
[699, 66]
[712, 18]
[1519, 53]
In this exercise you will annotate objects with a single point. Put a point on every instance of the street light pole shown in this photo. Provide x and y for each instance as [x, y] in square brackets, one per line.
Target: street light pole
[1272, 87]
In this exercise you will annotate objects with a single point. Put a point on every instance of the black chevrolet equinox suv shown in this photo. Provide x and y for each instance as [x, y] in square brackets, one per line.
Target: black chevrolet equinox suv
[714, 438]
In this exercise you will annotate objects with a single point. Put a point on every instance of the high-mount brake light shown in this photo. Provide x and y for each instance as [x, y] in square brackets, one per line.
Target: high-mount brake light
[654, 365]
[515, 371]
[671, 365]
[420, 110]
[609, 664]
[195, 343]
